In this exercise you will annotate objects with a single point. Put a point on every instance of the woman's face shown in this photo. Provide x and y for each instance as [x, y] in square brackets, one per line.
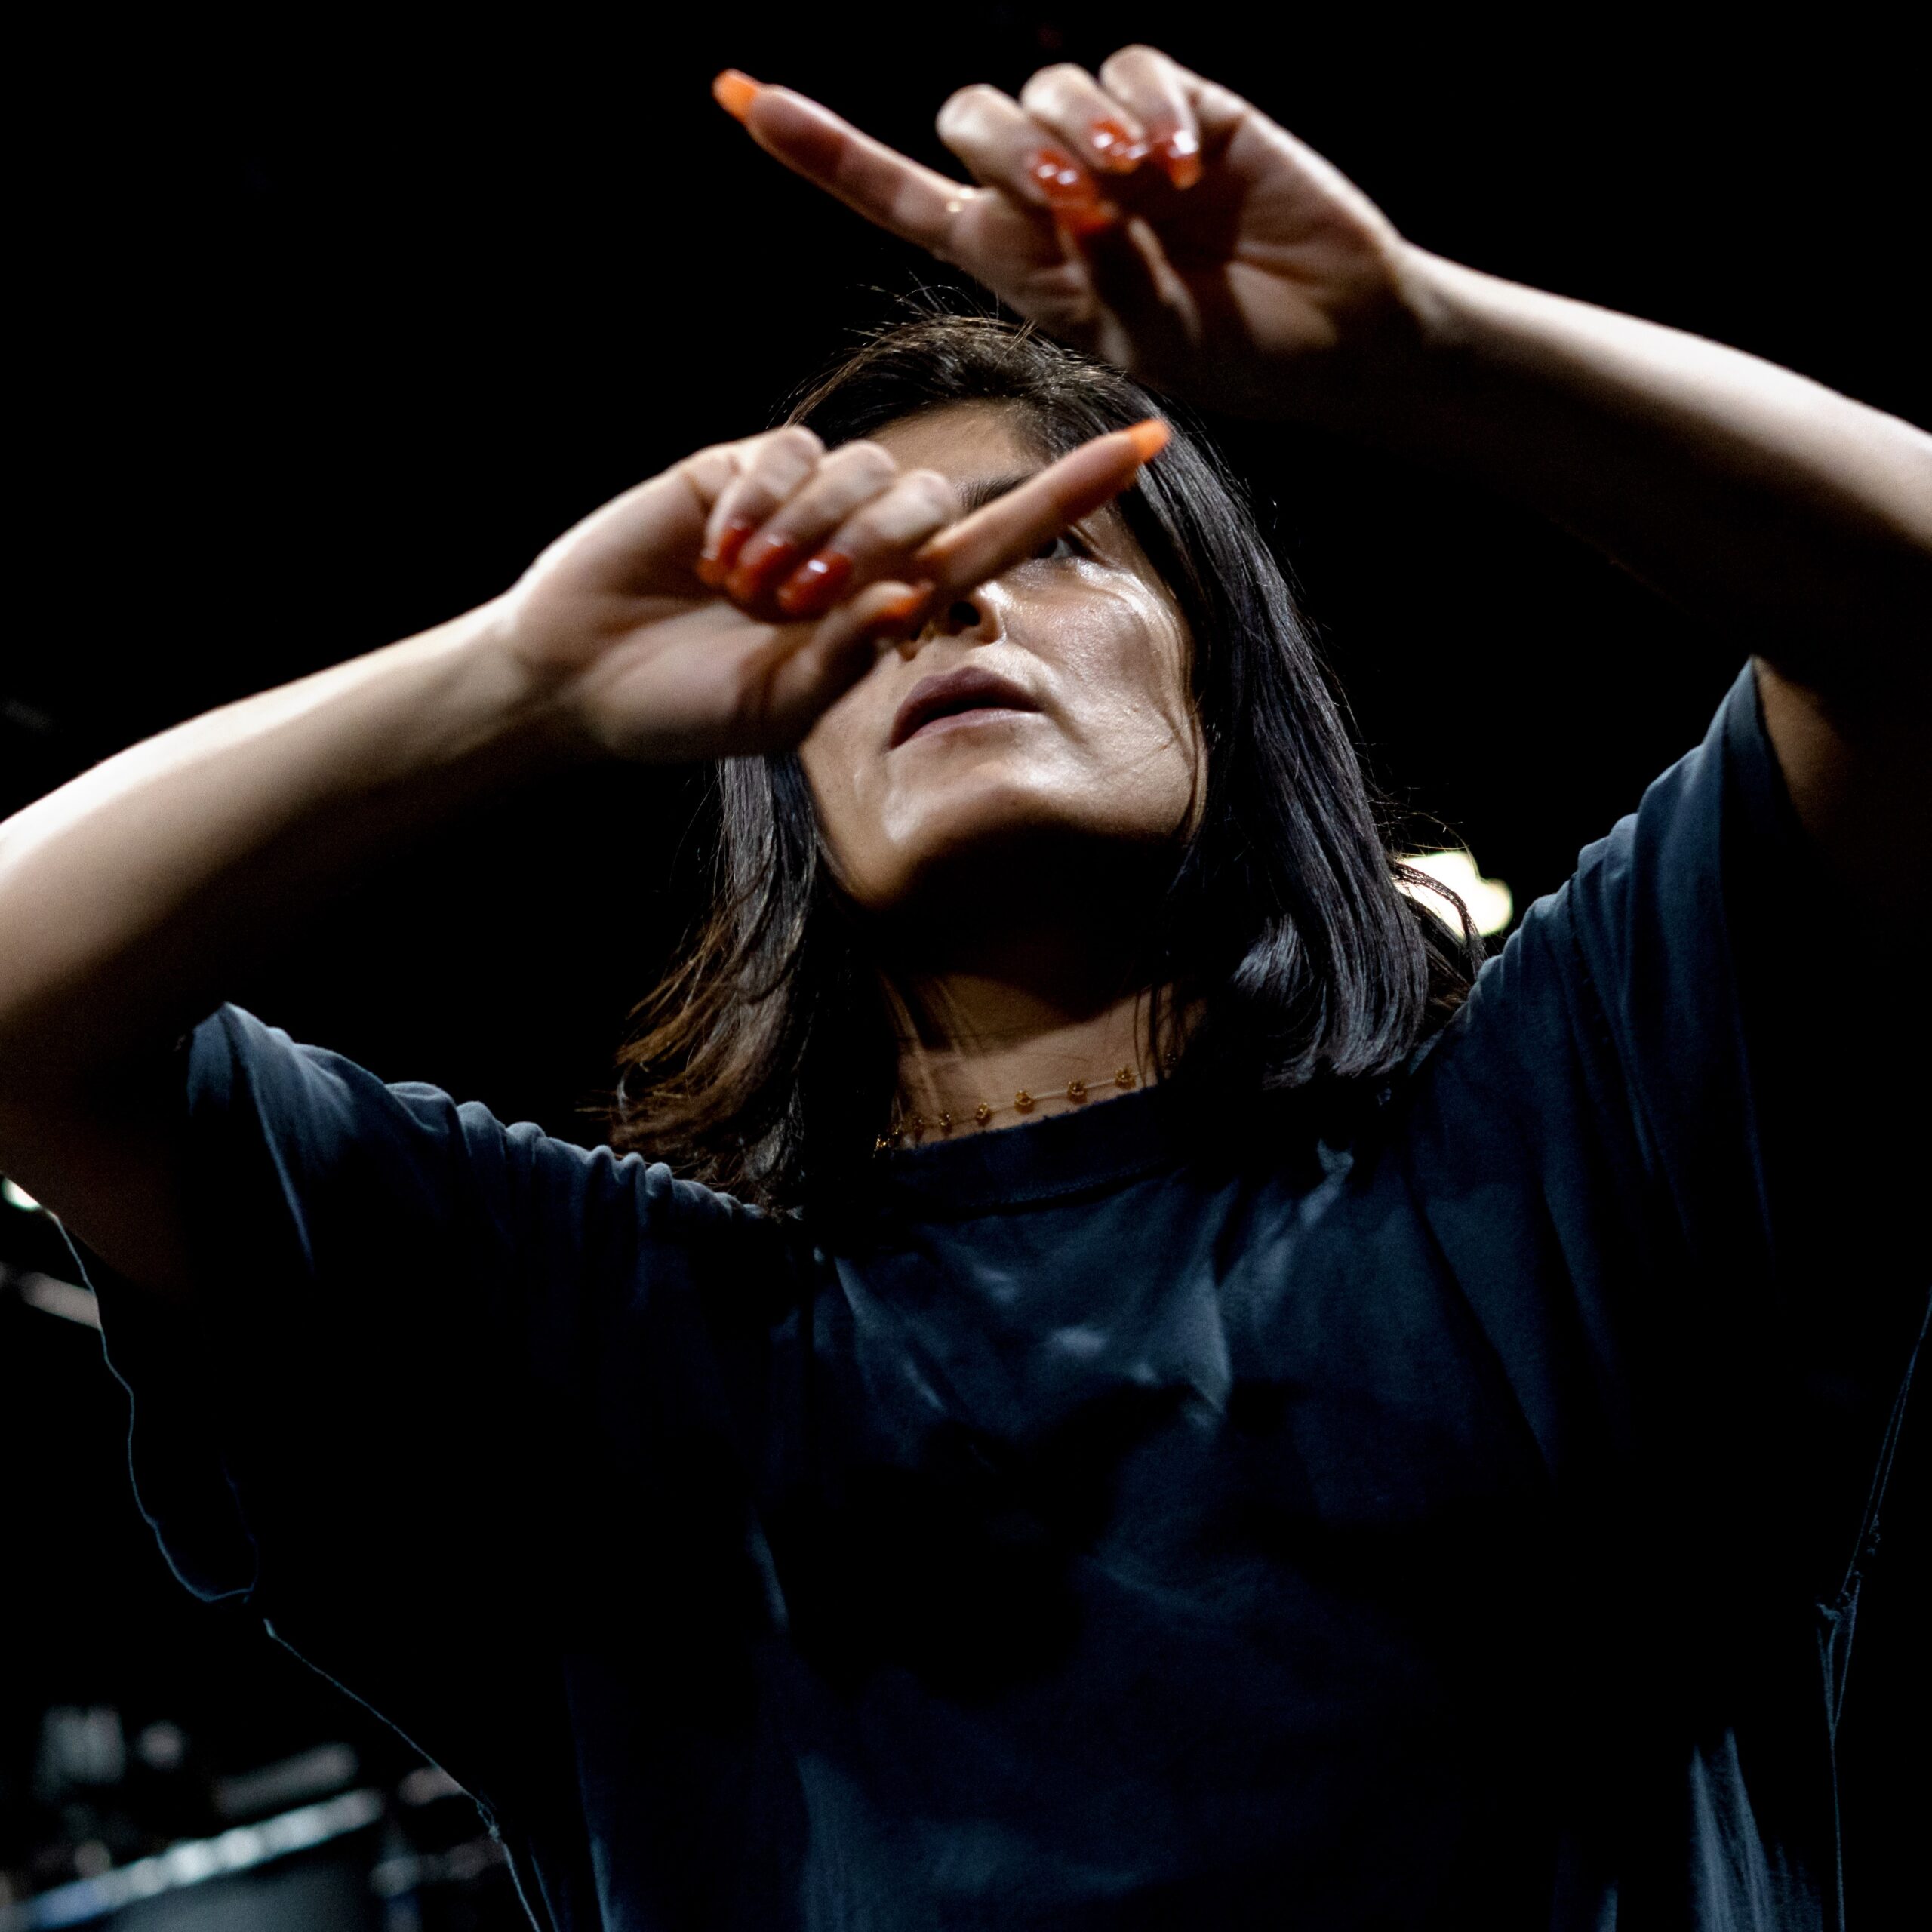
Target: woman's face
[1089, 634]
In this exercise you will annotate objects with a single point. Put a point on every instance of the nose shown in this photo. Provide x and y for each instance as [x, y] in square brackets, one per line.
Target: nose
[977, 616]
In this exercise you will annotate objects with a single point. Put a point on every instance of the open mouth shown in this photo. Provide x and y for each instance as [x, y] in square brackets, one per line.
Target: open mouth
[957, 694]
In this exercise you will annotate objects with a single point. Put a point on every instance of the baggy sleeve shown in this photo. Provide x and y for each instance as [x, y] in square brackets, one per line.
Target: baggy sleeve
[432, 1359]
[1697, 1041]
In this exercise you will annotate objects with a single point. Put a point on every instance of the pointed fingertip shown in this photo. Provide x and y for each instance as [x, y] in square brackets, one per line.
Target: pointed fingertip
[734, 91]
[1148, 438]
[910, 604]
[898, 613]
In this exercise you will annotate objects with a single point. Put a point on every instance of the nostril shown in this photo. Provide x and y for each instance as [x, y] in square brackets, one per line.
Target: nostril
[962, 617]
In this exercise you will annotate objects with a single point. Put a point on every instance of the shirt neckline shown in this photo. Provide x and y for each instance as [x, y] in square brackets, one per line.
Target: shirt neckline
[1087, 1148]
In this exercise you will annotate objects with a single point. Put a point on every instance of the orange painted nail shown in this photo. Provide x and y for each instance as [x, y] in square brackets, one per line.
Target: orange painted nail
[734, 92]
[901, 611]
[1180, 152]
[1118, 151]
[1070, 196]
[714, 565]
[1149, 439]
[814, 586]
[764, 561]
[1066, 187]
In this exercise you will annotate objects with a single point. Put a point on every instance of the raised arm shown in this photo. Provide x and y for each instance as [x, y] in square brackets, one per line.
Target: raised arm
[1156, 219]
[131, 898]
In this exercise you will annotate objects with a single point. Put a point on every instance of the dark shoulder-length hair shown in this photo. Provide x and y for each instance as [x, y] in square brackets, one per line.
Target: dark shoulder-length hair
[763, 1061]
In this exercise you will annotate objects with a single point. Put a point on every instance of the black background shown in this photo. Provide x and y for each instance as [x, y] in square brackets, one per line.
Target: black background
[333, 320]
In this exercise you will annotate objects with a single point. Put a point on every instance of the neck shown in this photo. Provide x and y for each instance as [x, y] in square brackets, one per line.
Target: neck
[991, 1010]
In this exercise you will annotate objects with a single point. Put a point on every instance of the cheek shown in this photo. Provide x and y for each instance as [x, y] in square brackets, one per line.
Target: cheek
[840, 775]
[1122, 760]
[1124, 659]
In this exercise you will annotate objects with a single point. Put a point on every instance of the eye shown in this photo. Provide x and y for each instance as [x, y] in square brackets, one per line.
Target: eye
[1064, 545]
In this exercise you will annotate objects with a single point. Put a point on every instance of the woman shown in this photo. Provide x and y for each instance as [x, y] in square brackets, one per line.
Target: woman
[1143, 1405]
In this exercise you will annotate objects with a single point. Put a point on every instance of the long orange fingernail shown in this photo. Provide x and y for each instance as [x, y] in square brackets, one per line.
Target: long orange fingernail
[901, 611]
[714, 562]
[1117, 150]
[763, 561]
[1180, 153]
[1070, 193]
[814, 586]
[734, 92]
[1149, 439]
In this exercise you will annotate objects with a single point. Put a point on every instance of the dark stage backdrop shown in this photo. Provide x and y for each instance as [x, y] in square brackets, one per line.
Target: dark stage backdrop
[334, 321]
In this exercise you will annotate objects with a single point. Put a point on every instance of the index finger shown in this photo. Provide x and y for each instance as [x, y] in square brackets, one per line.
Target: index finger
[899, 194]
[1013, 527]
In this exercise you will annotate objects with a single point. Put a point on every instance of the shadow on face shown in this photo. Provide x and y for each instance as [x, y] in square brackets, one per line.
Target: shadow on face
[1102, 772]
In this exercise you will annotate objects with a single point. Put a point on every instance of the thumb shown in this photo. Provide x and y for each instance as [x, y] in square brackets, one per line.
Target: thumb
[1135, 286]
[839, 651]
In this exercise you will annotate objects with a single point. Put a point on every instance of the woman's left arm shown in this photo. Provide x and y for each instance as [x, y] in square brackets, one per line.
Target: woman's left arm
[1785, 515]
[1156, 219]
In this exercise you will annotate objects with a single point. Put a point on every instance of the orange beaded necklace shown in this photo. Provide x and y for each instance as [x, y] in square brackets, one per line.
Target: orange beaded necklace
[1023, 1102]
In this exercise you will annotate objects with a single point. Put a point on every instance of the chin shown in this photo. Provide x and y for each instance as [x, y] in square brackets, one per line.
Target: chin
[993, 810]
[1006, 855]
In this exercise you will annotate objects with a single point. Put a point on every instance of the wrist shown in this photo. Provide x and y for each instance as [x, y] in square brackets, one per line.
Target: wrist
[529, 709]
[1449, 357]
[1393, 355]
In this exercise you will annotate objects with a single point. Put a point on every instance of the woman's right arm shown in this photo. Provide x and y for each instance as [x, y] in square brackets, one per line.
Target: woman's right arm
[133, 896]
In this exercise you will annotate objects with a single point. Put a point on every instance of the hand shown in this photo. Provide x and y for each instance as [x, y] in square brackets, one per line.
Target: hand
[1148, 216]
[718, 610]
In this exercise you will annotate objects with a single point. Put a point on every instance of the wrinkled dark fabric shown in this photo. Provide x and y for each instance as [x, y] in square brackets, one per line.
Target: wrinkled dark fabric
[1450, 1521]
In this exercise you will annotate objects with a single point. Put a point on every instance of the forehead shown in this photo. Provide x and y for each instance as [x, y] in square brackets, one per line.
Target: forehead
[965, 440]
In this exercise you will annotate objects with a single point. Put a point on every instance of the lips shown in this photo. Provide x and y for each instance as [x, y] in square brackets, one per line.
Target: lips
[970, 688]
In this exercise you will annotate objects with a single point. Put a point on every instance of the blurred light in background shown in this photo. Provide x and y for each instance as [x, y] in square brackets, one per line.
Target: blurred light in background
[16, 1196]
[193, 1863]
[162, 1746]
[79, 1745]
[1491, 904]
[52, 1296]
[310, 1774]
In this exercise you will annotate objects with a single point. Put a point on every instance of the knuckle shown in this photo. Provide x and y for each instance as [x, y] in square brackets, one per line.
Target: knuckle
[785, 461]
[920, 501]
[753, 494]
[965, 108]
[930, 491]
[867, 460]
[791, 447]
[864, 536]
[708, 474]
[1127, 66]
[1051, 85]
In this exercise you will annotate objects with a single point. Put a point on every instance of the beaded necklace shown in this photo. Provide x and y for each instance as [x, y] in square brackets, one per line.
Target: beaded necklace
[1023, 1102]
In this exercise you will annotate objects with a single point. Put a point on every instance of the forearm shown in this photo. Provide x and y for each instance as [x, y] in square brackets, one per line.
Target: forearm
[1791, 517]
[131, 898]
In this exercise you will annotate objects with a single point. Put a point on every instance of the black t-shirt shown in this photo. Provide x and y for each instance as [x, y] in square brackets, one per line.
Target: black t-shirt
[1454, 1521]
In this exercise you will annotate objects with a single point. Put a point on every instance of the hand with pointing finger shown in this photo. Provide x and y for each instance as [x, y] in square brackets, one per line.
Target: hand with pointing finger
[719, 609]
[1147, 216]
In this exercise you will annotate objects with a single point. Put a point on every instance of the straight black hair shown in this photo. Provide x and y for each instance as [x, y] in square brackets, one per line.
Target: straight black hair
[764, 1061]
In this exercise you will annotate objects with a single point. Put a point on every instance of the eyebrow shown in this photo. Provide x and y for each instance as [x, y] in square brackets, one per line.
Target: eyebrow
[977, 496]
